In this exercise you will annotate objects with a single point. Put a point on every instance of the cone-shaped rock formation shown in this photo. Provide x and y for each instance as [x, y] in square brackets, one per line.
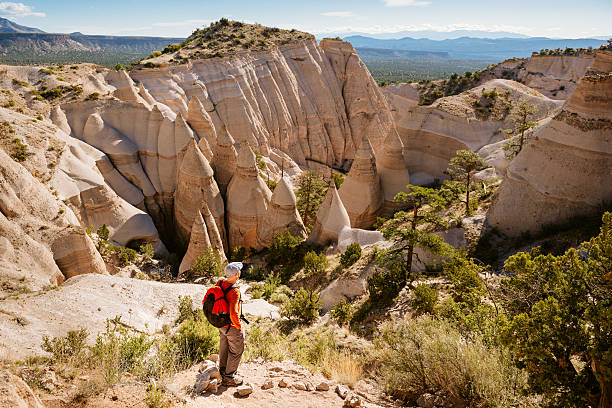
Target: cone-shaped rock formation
[331, 218]
[361, 192]
[202, 124]
[224, 159]
[282, 216]
[248, 198]
[393, 172]
[196, 185]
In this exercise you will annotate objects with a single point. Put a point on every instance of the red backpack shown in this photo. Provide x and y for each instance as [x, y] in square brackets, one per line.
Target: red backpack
[216, 306]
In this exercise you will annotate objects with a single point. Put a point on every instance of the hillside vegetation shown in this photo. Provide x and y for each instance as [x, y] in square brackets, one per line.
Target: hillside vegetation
[227, 37]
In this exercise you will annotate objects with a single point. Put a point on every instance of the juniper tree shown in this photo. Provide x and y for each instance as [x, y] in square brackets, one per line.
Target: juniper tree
[560, 327]
[523, 128]
[310, 193]
[404, 226]
[462, 167]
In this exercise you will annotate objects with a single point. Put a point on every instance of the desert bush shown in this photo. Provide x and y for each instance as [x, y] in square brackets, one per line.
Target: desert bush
[387, 282]
[147, 251]
[314, 263]
[303, 307]
[425, 298]
[94, 96]
[20, 150]
[195, 340]
[68, 349]
[428, 355]
[103, 232]
[266, 342]
[118, 350]
[186, 310]
[338, 179]
[208, 265]
[342, 312]
[156, 397]
[463, 272]
[351, 255]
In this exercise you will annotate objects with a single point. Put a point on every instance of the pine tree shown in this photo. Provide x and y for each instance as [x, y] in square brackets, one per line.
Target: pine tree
[462, 167]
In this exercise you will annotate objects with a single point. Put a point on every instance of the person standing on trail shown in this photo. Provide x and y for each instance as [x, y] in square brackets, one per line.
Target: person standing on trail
[231, 344]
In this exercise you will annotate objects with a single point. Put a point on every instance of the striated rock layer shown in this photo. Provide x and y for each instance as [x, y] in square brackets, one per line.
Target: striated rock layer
[393, 172]
[361, 192]
[248, 198]
[565, 171]
[282, 215]
[432, 134]
[311, 101]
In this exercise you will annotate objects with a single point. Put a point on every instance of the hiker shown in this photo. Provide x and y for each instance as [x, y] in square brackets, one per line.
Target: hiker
[231, 345]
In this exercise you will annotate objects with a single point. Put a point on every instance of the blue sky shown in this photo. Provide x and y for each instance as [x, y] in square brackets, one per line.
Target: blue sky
[551, 18]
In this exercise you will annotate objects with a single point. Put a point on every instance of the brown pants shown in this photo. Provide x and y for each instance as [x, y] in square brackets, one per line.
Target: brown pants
[231, 347]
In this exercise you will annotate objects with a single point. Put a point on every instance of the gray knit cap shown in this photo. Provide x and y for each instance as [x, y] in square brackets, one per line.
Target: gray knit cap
[232, 269]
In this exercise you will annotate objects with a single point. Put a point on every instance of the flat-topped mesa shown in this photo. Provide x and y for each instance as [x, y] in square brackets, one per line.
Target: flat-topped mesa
[202, 124]
[224, 159]
[564, 171]
[248, 199]
[361, 192]
[393, 172]
[282, 215]
[199, 242]
[196, 185]
[331, 218]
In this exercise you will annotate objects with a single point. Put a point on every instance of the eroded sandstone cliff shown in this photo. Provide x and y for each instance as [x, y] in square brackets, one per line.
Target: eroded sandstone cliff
[565, 171]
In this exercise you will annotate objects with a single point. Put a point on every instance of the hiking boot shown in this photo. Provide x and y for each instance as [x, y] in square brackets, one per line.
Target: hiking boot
[231, 381]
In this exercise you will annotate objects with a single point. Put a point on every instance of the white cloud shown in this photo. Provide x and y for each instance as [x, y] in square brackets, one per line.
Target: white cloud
[338, 14]
[192, 23]
[404, 3]
[8, 8]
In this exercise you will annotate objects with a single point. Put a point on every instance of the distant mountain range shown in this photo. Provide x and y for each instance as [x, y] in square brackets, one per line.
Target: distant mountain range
[7, 26]
[17, 40]
[475, 48]
[367, 54]
[430, 34]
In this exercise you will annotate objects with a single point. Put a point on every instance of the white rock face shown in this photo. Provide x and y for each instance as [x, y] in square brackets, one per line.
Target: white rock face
[566, 170]
[431, 135]
[248, 199]
[87, 301]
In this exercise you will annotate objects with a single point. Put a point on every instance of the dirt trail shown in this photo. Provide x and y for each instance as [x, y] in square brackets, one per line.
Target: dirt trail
[256, 374]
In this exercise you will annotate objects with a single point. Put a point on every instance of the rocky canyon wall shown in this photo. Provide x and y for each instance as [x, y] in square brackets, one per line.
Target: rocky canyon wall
[566, 170]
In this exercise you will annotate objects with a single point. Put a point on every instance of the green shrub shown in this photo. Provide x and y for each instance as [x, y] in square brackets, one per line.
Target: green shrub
[208, 265]
[427, 355]
[156, 398]
[342, 312]
[267, 343]
[425, 298]
[117, 351]
[387, 282]
[238, 254]
[338, 179]
[186, 310]
[20, 150]
[315, 264]
[66, 349]
[303, 307]
[351, 255]
[195, 341]
[467, 287]
[126, 255]
[103, 232]
[283, 249]
[54, 93]
[93, 96]
[20, 83]
[147, 251]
